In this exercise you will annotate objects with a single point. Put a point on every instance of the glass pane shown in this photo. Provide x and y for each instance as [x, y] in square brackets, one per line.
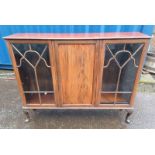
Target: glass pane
[107, 98]
[32, 98]
[19, 50]
[109, 78]
[44, 77]
[117, 98]
[39, 48]
[123, 98]
[27, 76]
[127, 78]
[46, 57]
[47, 98]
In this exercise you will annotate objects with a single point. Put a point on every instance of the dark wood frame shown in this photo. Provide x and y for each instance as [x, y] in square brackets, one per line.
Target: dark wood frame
[99, 54]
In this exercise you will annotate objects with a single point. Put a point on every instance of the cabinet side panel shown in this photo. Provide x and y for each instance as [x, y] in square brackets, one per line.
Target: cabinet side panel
[146, 42]
[16, 73]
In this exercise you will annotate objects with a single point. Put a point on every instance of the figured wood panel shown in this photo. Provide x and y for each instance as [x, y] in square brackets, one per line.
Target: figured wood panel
[76, 64]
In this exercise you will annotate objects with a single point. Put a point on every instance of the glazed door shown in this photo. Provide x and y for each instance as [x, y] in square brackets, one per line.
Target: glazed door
[75, 61]
[33, 63]
[121, 65]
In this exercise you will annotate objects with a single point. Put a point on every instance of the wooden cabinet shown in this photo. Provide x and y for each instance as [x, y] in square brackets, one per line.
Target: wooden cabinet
[78, 71]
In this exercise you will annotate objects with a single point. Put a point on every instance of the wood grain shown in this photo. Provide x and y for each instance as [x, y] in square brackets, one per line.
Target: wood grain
[76, 36]
[76, 64]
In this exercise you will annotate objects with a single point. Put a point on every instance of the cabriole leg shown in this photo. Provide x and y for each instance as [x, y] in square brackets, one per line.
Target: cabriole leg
[129, 112]
[27, 115]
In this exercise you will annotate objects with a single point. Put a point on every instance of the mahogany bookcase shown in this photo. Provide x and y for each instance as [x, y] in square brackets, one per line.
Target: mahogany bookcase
[77, 71]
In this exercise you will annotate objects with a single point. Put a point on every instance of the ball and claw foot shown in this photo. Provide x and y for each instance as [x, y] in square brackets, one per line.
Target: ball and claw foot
[27, 116]
[127, 120]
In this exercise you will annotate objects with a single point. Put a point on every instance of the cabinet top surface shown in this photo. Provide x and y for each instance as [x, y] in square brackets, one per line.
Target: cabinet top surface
[65, 36]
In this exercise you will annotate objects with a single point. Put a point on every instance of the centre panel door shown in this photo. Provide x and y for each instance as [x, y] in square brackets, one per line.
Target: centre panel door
[75, 61]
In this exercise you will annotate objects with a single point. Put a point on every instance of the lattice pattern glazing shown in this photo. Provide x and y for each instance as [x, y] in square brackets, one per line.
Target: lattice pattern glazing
[121, 57]
[24, 56]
